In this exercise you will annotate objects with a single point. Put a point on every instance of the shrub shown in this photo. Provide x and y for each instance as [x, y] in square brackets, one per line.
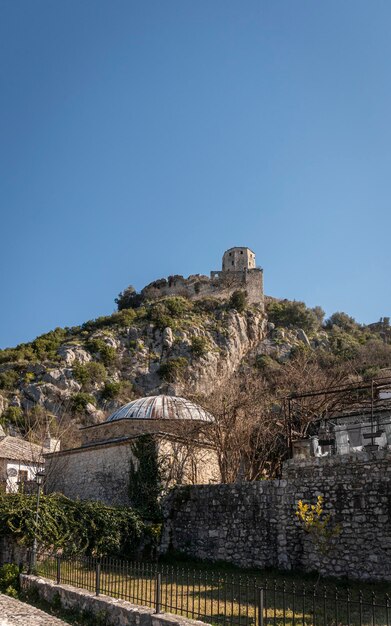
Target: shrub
[111, 390]
[238, 301]
[207, 305]
[126, 317]
[343, 321]
[80, 400]
[266, 363]
[14, 415]
[9, 579]
[9, 380]
[128, 299]
[343, 345]
[89, 374]
[76, 527]
[46, 346]
[158, 314]
[172, 370]
[292, 314]
[199, 346]
[105, 352]
[177, 306]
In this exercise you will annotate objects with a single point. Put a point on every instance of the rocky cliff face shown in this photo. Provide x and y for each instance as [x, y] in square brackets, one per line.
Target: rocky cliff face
[171, 346]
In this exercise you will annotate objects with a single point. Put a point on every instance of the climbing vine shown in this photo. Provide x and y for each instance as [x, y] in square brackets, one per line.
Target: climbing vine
[144, 481]
[75, 527]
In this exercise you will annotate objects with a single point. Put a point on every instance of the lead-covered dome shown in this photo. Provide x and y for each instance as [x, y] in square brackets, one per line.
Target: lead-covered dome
[161, 408]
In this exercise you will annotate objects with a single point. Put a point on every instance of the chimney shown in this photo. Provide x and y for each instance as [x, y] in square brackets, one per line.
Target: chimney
[51, 444]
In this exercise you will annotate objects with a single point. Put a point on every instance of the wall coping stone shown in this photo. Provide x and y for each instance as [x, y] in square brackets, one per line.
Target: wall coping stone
[117, 612]
[342, 459]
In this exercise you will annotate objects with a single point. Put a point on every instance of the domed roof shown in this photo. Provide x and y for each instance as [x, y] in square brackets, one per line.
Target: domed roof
[161, 408]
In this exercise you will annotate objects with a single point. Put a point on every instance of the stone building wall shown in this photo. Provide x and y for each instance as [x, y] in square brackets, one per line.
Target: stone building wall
[99, 472]
[254, 524]
[102, 471]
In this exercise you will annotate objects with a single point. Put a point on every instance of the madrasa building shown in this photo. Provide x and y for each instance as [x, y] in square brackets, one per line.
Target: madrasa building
[102, 467]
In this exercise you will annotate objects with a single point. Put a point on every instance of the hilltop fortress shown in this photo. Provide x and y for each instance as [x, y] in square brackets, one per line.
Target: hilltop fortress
[239, 272]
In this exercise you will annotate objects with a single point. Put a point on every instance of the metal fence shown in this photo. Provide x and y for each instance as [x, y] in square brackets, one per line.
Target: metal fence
[216, 597]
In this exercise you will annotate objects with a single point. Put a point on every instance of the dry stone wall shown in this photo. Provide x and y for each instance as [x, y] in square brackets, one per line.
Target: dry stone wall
[220, 285]
[254, 524]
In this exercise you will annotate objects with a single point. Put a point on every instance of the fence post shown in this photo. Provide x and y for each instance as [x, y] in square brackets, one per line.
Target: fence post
[261, 602]
[158, 592]
[97, 578]
[58, 570]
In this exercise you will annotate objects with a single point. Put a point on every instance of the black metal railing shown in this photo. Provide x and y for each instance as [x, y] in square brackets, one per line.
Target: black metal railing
[219, 598]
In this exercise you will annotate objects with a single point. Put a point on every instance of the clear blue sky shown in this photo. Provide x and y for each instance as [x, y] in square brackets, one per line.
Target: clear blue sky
[142, 138]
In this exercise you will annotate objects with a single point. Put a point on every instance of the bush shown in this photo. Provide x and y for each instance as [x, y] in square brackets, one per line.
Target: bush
[14, 415]
[9, 579]
[76, 527]
[80, 400]
[46, 346]
[128, 299]
[9, 380]
[266, 363]
[343, 321]
[207, 305]
[105, 352]
[295, 314]
[343, 345]
[238, 301]
[172, 370]
[177, 306]
[125, 317]
[158, 314]
[111, 390]
[199, 346]
[89, 374]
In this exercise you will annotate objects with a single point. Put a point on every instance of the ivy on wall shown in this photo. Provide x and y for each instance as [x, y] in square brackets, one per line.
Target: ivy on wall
[75, 527]
[145, 485]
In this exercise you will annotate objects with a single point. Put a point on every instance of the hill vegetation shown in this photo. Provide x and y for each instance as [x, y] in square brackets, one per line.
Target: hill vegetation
[233, 358]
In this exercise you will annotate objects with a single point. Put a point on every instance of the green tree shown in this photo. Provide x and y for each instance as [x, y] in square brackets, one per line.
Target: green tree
[128, 299]
[343, 321]
[292, 314]
[238, 301]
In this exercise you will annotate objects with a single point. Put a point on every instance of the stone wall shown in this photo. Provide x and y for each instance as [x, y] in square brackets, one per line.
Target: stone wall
[94, 473]
[254, 524]
[102, 471]
[220, 285]
[113, 611]
[11, 551]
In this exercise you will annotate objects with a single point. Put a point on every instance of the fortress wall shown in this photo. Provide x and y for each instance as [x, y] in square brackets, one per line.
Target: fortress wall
[221, 285]
[254, 524]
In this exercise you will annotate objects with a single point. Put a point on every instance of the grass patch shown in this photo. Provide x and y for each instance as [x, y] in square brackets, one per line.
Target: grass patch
[231, 595]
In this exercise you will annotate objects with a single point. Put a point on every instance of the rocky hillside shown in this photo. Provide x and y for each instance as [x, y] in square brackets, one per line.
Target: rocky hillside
[169, 345]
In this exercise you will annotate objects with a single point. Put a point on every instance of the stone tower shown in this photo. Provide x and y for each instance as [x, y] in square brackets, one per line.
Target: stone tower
[238, 259]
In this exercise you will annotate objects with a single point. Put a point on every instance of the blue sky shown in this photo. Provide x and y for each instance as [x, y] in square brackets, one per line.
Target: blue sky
[142, 139]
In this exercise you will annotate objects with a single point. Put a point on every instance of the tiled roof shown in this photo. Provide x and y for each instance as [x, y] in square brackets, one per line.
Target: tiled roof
[15, 449]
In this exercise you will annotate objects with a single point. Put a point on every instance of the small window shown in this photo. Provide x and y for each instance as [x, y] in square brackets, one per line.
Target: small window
[241, 252]
[232, 262]
[230, 254]
[23, 476]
